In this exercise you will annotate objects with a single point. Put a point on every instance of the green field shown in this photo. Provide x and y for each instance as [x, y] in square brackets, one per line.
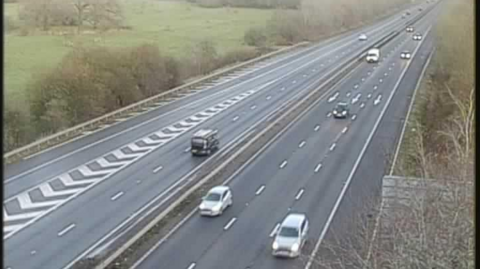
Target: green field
[174, 26]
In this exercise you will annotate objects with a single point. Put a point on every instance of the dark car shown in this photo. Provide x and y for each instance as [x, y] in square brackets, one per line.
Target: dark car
[341, 110]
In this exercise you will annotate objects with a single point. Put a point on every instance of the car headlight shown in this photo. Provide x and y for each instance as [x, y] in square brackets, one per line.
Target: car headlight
[217, 207]
[335, 112]
[295, 247]
[402, 55]
[202, 206]
[408, 55]
[344, 112]
[275, 245]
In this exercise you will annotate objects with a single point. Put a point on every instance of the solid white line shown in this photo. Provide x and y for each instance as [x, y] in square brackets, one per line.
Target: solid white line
[157, 169]
[317, 128]
[283, 164]
[116, 196]
[192, 265]
[354, 169]
[260, 190]
[10, 228]
[302, 144]
[318, 167]
[66, 230]
[397, 150]
[299, 195]
[332, 147]
[275, 229]
[344, 129]
[229, 224]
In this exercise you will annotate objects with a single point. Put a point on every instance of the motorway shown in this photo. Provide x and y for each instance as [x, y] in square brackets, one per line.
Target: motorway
[64, 201]
[304, 170]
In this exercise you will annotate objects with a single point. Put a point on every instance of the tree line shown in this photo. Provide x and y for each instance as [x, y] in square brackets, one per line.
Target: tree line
[288, 4]
[315, 19]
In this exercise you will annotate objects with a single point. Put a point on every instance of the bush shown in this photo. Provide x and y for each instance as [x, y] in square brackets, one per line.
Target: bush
[17, 130]
[255, 37]
[92, 81]
[9, 24]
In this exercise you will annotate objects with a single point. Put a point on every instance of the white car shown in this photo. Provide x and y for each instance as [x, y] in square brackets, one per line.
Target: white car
[362, 37]
[291, 236]
[417, 37]
[405, 54]
[216, 201]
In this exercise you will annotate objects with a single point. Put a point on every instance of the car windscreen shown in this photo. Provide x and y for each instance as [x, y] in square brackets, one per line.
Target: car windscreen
[372, 53]
[288, 232]
[213, 197]
[341, 107]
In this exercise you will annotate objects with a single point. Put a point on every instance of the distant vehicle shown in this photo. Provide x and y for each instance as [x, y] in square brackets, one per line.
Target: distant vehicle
[408, 12]
[204, 142]
[409, 29]
[405, 54]
[291, 236]
[216, 201]
[403, 16]
[341, 110]
[362, 37]
[417, 37]
[420, 9]
[373, 55]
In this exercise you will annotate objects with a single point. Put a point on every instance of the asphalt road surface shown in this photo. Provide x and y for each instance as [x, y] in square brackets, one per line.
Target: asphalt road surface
[64, 201]
[303, 171]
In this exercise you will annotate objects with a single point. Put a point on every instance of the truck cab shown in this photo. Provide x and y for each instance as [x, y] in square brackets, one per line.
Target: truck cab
[204, 142]
[373, 55]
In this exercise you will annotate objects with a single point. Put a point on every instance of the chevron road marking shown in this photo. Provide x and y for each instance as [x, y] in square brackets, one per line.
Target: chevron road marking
[26, 202]
[47, 191]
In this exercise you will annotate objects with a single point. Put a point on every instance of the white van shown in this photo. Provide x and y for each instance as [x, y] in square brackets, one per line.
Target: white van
[373, 55]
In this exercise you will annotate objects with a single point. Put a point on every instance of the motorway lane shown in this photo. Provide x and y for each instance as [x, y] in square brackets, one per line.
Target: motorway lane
[15, 170]
[328, 188]
[13, 190]
[73, 232]
[102, 220]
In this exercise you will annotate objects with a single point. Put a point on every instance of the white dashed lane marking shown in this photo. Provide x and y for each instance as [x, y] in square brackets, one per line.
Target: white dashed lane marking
[116, 196]
[260, 190]
[317, 128]
[344, 130]
[158, 169]
[317, 168]
[192, 265]
[332, 147]
[284, 163]
[301, 144]
[229, 224]
[65, 230]
[299, 194]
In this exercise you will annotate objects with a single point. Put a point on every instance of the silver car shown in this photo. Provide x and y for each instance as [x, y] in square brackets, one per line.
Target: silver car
[417, 36]
[405, 54]
[216, 201]
[291, 236]
[362, 37]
